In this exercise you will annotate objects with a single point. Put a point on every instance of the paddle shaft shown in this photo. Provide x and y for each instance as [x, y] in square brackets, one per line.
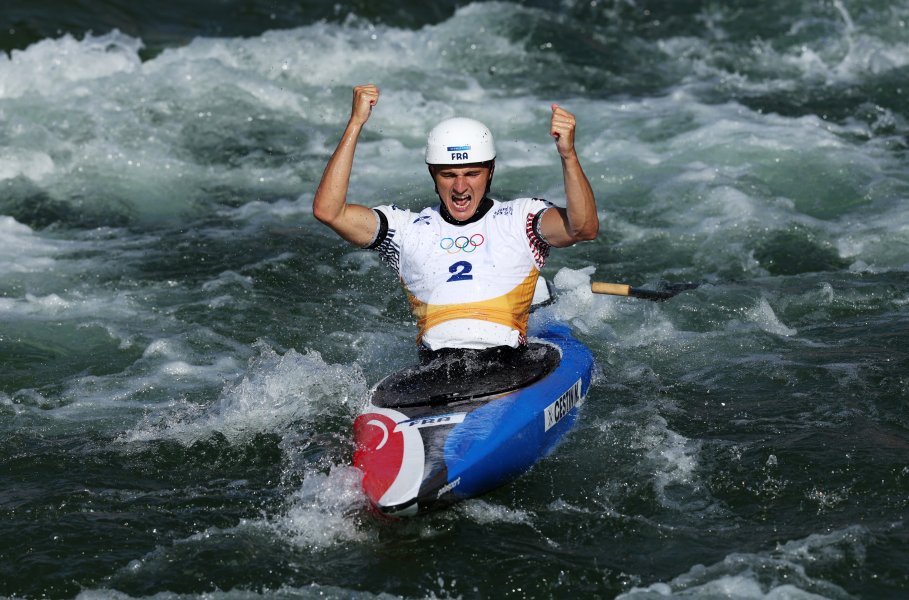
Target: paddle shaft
[613, 289]
[623, 289]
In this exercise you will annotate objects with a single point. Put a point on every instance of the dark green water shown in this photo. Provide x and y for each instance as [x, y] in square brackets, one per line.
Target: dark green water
[183, 348]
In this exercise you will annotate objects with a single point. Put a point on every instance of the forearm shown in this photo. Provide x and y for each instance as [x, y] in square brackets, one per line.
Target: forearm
[580, 209]
[353, 222]
[578, 220]
[330, 200]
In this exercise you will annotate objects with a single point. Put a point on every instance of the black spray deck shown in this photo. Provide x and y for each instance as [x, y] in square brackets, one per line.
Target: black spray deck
[466, 375]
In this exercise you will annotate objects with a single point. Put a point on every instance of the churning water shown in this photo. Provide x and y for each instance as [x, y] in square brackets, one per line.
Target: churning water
[183, 348]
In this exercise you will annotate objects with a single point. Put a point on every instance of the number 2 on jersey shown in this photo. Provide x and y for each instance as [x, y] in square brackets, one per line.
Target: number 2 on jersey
[461, 271]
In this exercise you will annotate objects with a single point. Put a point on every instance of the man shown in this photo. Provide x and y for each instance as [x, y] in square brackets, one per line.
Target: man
[469, 265]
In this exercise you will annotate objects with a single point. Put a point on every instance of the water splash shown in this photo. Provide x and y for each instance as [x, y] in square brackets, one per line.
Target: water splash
[278, 392]
[786, 572]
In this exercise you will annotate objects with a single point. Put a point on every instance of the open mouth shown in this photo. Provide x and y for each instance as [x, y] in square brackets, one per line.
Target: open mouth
[461, 202]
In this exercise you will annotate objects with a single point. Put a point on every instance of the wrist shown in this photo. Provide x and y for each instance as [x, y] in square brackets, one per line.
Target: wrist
[569, 156]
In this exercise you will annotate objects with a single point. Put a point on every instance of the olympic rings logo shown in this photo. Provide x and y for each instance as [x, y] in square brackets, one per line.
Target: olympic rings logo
[462, 243]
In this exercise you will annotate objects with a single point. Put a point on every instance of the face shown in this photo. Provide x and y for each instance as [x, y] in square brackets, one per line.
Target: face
[462, 187]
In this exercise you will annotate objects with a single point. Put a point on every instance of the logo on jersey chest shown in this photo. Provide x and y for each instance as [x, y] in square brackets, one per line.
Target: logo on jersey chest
[461, 246]
[462, 243]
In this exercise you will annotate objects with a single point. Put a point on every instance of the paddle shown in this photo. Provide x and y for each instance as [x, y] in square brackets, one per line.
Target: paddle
[665, 291]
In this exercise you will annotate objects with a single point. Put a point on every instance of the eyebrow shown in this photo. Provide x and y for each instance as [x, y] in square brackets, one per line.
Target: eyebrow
[469, 171]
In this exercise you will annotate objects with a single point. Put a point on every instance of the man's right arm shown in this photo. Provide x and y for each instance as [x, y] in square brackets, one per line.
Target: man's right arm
[353, 222]
[578, 221]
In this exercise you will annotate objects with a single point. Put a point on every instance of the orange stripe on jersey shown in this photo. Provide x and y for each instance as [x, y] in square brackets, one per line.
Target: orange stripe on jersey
[511, 309]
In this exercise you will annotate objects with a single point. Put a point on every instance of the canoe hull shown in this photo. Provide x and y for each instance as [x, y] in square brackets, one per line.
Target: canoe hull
[419, 458]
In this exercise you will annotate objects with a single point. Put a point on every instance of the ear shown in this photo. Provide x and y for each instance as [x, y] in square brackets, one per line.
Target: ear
[433, 175]
[492, 170]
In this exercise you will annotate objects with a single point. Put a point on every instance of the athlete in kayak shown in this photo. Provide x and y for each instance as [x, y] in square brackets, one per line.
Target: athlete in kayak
[470, 264]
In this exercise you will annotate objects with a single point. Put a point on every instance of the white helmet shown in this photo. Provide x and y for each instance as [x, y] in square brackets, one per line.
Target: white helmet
[459, 141]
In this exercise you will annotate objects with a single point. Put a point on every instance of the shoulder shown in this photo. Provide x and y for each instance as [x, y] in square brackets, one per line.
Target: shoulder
[404, 223]
[520, 207]
[537, 204]
[392, 211]
[400, 218]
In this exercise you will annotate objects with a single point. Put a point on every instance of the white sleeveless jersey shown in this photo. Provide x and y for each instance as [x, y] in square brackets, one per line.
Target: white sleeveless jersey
[470, 286]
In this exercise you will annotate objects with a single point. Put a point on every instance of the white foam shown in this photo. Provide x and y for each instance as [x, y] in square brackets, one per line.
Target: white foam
[764, 316]
[486, 513]
[323, 514]
[59, 66]
[778, 574]
[606, 317]
[767, 65]
[228, 279]
[313, 591]
[577, 305]
[257, 211]
[32, 164]
[327, 510]
[74, 307]
[716, 200]
[140, 388]
[673, 461]
[281, 388]
[21, 251]
[276, 392]
[133, 145]
[710, 177]
[128, 123]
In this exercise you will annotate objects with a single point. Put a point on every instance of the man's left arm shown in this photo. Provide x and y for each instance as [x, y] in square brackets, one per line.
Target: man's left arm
[578, 221]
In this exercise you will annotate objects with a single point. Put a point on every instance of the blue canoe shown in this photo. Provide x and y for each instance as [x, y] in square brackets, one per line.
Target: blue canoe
[430, 436]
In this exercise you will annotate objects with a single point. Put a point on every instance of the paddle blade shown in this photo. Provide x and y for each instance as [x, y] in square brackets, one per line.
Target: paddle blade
[653, 295]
